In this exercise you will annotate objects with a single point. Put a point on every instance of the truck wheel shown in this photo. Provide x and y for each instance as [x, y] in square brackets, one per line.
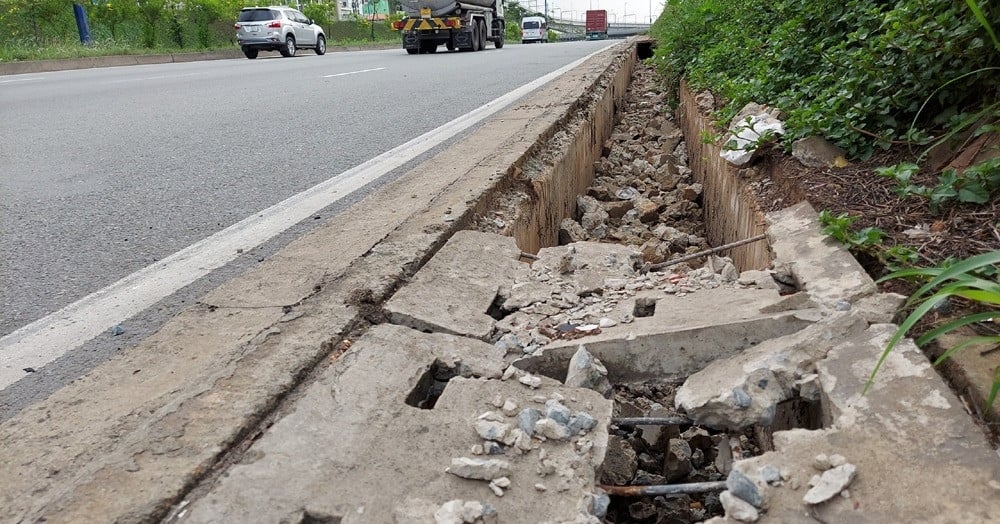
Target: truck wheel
[483, 32]
[450, 45]
[498, 43]
[475, 37]
[412, 51]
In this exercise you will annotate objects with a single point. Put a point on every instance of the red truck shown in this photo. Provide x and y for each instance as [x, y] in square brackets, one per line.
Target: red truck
[597, 24]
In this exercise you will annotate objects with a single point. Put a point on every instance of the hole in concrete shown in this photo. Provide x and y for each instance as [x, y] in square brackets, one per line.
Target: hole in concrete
[669, 454]
[496, 308]
[644, 307]
[312, 517]
[795, 413]
[644, 50]
[433, 382]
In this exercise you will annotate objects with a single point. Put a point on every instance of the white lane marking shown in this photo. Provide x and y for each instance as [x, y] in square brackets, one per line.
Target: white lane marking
[34, 79]
[354, 72]
[49, 338]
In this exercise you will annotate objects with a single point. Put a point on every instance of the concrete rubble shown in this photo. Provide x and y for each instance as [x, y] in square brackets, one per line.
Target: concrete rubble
[485, 389]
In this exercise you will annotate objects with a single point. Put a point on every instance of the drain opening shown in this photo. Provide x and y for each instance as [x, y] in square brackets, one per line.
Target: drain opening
[433, 382]
[660, 467]
[644, 307]
[644, 50]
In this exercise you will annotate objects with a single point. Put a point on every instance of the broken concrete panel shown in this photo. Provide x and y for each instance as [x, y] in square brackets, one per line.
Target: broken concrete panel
[745, 389]
[919, 457]
[606, 260]
[352, 448]
[453, 292]
[683, 336]
[826, 270]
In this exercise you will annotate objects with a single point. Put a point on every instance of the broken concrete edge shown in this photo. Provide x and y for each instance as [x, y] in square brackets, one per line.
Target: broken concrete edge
[172, 431]
[318, 458]
[910, 412]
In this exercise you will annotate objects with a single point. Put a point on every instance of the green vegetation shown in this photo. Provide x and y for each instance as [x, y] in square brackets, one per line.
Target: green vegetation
[866, 75]
[974, 279]
[44, 29]
[856, 72]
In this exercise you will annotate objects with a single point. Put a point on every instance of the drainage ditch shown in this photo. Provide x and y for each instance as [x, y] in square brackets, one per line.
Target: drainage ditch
[647, 208]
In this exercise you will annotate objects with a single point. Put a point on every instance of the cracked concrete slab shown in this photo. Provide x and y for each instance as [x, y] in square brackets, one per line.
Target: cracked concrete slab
[684, 335]
[917, 453]
[825, 270]
[353, 448]
[454, 291]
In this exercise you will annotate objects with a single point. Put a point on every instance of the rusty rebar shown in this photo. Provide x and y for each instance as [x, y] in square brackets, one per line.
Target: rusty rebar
[656, 267]
[664, 489]
[651, 421]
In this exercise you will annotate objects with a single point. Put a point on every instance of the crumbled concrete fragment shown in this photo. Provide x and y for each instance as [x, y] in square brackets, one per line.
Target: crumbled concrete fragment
[531, 381]
[497, 490]
[770, 474]
[497, 400]
[599, 505]
[540, 487]
[741, 399]
[552, 429]
[509, 408]
[821, 462]
[509, 372]
[479, 469]
[522, 441]
[527, 419]
[585, 371]
[741, 486]
[837, 460]
[491, 430]
[463, 512]
[606, 322]
[477, 449]
[558, 412]
[809, 387]
[620, 462]
[503, 482]
[677, 460]
[737, 508]
[581, 422]
[830, 484]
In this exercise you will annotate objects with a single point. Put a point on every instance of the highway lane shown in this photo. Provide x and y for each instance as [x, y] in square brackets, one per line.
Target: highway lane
[106, 171]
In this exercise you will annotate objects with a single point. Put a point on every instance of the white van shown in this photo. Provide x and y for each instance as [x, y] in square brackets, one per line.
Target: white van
[534, 29]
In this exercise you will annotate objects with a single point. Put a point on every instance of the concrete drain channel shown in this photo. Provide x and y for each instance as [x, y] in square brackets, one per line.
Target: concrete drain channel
[579, 351]
[620, 296]
[617, 289]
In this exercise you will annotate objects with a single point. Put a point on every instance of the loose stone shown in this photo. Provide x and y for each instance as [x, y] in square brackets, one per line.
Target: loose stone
[479, 469]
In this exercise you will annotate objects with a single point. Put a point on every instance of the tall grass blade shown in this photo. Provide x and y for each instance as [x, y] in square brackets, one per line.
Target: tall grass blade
[981, 17]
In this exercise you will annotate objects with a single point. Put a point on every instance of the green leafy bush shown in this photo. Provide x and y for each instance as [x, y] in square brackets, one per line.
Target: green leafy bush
[856, 72]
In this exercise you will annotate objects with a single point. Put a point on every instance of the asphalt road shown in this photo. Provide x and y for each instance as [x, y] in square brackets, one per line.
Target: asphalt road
[105, 171]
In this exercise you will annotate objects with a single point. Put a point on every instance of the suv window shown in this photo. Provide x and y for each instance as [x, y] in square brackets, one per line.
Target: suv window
[257, 15]
[299, 17]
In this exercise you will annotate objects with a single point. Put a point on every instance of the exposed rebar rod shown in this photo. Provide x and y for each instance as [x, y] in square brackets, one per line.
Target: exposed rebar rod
[651, 421]
[664, 489]
[656, 267]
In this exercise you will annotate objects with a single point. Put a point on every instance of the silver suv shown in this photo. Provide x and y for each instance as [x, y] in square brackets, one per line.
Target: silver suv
[277, 28]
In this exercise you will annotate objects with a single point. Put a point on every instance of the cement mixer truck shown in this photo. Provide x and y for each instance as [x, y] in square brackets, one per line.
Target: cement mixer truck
[465, 25]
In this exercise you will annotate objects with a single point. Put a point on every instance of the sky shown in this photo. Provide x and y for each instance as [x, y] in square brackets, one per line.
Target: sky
[618, 10]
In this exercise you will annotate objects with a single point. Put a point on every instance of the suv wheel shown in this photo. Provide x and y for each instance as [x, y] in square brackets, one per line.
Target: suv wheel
[321, 45]
[289, 47]
[250, 53]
